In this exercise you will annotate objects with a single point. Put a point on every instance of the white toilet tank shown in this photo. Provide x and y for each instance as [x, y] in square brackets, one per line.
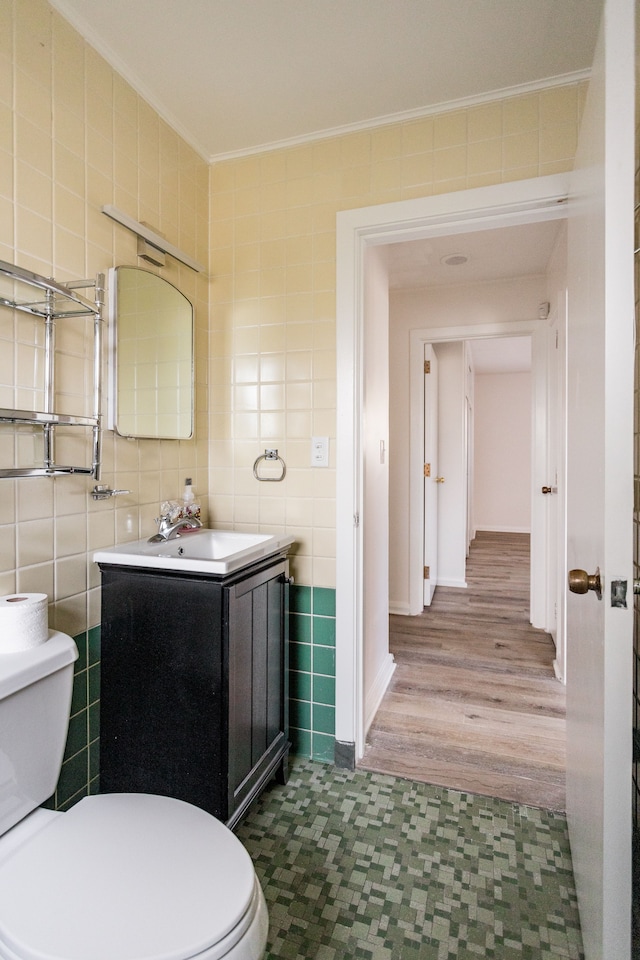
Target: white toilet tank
[35, 699]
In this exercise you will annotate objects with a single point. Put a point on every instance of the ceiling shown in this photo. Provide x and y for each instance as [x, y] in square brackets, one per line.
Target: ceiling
[236, 76]
[497, 254]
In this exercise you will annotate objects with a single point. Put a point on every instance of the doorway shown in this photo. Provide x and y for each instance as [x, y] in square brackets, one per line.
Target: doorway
[484, 431]
[515, 203]
[506, 349]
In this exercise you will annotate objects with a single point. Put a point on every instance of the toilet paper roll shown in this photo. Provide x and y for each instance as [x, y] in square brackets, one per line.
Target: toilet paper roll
[24, 621]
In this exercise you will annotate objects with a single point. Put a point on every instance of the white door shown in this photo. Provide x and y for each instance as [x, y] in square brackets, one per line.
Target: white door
[600, 492]
[431, 479]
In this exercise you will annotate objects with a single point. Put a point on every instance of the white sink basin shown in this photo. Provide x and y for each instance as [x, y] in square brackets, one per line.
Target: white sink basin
[216, 552]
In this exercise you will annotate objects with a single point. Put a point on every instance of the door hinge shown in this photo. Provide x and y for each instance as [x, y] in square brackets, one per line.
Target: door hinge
[427, 469]
[427, 366]
[356, 519]
[427, 573]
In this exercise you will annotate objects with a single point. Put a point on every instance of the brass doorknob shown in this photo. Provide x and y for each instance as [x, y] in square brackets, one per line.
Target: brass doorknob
[581, 582]
[439, 479]
[547, 489]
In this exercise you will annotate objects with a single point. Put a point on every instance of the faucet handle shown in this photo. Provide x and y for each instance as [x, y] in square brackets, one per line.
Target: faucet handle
[169, 511]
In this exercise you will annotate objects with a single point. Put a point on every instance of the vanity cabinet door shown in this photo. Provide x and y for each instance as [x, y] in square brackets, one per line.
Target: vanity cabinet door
[258, 681]
[163, 693]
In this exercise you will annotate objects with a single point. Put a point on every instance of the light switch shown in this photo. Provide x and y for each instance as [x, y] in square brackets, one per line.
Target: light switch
[319, 451]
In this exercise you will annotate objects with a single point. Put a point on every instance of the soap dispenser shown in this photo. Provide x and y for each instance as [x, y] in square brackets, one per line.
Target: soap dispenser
[190, 506]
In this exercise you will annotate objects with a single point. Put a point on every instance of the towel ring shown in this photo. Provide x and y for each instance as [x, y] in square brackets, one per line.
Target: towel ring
[270, 455]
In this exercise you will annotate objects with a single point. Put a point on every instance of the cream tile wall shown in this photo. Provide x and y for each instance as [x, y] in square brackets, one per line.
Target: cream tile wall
[272, 258]
[75, 136]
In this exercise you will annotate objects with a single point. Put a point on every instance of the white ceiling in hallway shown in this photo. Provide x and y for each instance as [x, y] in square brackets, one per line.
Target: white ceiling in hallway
[504, 253]
[497, 254]
[234, 76]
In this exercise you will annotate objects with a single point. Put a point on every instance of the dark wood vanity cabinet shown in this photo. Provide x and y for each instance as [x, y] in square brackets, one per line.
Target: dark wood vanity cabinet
[194, 684]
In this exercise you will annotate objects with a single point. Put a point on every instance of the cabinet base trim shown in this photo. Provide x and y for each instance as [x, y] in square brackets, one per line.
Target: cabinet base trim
[281, 760]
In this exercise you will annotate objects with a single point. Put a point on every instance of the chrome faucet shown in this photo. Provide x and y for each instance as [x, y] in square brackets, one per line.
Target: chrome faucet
[170, 531]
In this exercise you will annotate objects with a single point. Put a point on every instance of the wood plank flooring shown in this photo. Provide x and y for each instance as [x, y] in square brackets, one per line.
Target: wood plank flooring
[474, 703]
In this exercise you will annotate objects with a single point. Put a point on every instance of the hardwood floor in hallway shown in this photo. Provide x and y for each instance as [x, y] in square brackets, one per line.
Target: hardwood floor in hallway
[474, 703]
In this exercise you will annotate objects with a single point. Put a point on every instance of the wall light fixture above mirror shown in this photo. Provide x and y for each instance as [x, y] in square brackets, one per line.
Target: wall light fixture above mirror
[150, 356]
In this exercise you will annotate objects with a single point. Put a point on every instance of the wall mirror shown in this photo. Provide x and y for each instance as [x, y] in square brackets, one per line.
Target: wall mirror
[150, 356]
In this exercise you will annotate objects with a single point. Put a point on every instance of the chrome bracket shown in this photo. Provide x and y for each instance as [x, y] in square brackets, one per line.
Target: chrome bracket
[103, 492]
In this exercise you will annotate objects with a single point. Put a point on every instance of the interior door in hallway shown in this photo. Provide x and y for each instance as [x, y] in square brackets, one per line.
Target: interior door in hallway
[431, 478]
[600, 491]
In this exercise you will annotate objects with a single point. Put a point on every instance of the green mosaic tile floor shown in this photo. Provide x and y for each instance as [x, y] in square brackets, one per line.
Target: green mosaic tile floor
[367, 866]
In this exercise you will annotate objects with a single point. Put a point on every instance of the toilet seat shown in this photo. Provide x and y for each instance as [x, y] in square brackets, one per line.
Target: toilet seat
[128, 877]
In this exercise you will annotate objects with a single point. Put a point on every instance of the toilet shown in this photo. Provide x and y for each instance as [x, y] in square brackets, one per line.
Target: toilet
[118, 876]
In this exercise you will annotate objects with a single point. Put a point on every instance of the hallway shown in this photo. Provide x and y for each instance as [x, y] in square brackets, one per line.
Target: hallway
[474, 704]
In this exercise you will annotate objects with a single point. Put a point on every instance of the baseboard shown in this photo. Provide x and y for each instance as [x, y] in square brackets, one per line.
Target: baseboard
[378, 690]
[400, 609]
[345, 755]
[462, 584]
[487, 528]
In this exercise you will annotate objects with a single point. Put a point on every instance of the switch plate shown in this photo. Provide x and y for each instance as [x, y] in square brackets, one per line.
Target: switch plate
[319, 451]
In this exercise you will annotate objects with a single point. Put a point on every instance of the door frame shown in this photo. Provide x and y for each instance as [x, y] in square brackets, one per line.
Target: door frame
[483, 331]
[427, 491]
[518, 202]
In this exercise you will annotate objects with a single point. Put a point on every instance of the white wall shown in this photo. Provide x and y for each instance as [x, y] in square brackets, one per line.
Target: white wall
[502, 441]
[378, 664]
[497, 302]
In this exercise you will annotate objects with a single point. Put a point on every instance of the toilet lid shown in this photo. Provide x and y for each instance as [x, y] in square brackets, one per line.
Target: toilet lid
[125, 877]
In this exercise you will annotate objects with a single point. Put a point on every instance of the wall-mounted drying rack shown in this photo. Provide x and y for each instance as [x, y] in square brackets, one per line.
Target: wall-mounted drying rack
[49, 301]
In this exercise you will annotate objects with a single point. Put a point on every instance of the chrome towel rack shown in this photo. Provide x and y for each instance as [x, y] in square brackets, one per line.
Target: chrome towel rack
[269, 456]
[48, 301]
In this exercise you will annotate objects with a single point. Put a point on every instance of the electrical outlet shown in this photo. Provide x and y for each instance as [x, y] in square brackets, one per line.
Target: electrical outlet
[319, 451]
